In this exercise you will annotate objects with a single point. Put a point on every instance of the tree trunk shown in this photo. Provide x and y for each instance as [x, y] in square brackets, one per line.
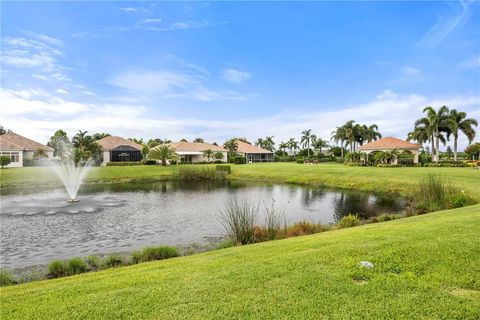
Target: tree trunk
[164, 162]
[455, 148]
[437, 151]
[341, 149]
[433, 148]
[308, 150]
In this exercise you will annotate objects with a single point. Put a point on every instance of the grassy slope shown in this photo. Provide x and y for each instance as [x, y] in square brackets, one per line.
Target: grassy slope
[396, 180]
[426, 267]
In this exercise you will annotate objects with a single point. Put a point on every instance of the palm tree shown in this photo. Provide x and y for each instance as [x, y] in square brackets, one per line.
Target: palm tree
[163, 152]
[339, 135]
[218, 156]
[145, 151]
[435, 123]
[371, 133]
[100, 135]
[231, 145]
[208, 154]
[319, 144]
[458, 122]
[292, 146]
[199, 140]
[40, 153]
[307, 139]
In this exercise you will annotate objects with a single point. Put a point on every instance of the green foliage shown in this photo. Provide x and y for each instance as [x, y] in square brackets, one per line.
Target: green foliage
[4, 161]
[124, 163]
[349, 221]
[57, 269]
[436, 193]
[446, 163]
[6, 278]
[76, 266]
[93, 262]
[228, 243]
[163, 153]
[473, 151]
[113, 260]
[275, 221]
[300, 160]
[224, 168]
[194, 173]
[158, 253]
[238, 218]
[218, 155]
[304, 227]
[136, 257]
[239, 160]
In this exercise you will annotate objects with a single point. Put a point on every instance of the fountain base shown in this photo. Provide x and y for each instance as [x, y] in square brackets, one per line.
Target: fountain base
[72, 201]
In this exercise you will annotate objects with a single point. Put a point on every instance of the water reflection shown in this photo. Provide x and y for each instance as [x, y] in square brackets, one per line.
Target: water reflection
[38, 225]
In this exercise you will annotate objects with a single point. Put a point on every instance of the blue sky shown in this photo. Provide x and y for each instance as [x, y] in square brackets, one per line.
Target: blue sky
[222, 69]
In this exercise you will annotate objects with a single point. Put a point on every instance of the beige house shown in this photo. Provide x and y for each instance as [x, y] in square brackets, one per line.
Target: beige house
[389, 144]
[118, 149]
[21, 150]
[253, 153]
[193, 152]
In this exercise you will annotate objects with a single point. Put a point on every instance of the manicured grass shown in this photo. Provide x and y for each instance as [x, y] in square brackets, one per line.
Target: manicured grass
[390, 180]
[426, 267]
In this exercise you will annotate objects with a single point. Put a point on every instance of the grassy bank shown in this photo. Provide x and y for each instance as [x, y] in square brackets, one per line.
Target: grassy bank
[421, 271]
[389, 180]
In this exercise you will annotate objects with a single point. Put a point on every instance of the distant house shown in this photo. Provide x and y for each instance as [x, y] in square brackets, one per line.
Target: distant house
[192, 152]
[21, 150]
[117, 149]
[253, 153]
[389, 144]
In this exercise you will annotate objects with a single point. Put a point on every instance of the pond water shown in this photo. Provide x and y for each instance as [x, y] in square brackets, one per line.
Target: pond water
[39, 226]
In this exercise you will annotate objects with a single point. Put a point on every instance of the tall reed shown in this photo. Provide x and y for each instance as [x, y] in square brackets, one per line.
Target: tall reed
[194, 173]
[275, 221]
[238, 217]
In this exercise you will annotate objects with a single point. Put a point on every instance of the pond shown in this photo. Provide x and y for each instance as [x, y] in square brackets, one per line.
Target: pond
[39, 226]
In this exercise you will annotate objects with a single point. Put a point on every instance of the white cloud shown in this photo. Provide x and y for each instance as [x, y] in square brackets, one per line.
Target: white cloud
[38, 114]
[129, 9]
[62, 91]
[235, 76]
[453, 17]
[411, 71]
[151, 20]
[169, 84]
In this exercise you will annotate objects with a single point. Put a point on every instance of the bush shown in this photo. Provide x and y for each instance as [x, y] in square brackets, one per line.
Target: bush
[304, 227]
[300, 160]
[124, 163]
[113, 260]
[238, 218]
[240, 160]
[349, 221]
[446, 163]
[4, 161]
[225, 244]
[136, 257]
[388, 165]
[6, 278]
[158, 253]
[192, 173]
[435, 193]
[57, 269]
[152, 162]
[93, 262]
[76, 266]
[224, 167]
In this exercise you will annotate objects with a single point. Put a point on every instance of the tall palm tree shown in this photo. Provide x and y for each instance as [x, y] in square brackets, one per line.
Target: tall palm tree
[282, 146]
[436, 123]
[145, 151]
[100, 135]
[292, 145]
[458, 122]
[371, 133]
[307, 139]
[319, 144]
[339, 135]
[208, 154]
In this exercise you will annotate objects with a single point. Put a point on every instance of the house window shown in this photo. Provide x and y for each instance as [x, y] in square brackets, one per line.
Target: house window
[14, 156]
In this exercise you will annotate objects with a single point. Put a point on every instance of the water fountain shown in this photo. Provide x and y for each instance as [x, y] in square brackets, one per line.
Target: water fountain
[71, 170]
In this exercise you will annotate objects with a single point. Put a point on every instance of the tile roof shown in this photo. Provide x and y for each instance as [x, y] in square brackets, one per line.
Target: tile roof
[195, 147]
[112, 142]
[13, 141]
[389, 143]
[244, 147]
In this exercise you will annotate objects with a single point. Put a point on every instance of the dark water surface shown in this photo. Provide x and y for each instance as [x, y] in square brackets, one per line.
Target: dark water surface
[38, 226]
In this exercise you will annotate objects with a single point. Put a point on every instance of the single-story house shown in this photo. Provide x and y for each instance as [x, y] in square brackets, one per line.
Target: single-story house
[192, 152]
[21, 150]
[117, 149]
[253, 153]
[389, 144]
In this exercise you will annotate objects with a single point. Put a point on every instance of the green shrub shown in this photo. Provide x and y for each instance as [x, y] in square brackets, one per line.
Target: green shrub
[435, 193]
[348, 221]
[57, 269]
[225, 244]
[158, 253]
[136, 257]
[94, 262]
[225, 168]
[6, 278]
[240, 160]
[193, 173]
[304, 227]
[124, 163]
[113, 260]
[238, 218]
[389, 165]
[300, 160]
[76, 266]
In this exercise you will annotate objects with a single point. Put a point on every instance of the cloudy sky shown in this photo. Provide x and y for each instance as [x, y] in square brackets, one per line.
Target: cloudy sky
[217, 70]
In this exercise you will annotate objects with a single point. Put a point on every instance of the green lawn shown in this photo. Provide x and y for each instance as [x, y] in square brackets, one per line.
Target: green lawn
[426, 267]
[392, 180]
